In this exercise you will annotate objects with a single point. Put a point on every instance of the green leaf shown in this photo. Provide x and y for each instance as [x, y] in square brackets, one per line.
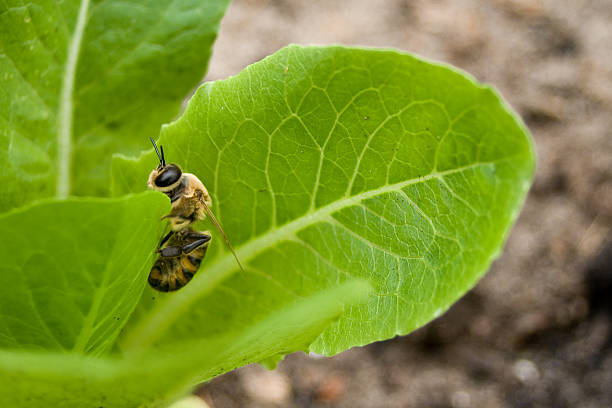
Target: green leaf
[73, 271]
[364, 191]
[154, 378]
[81, 80]
[328, 164]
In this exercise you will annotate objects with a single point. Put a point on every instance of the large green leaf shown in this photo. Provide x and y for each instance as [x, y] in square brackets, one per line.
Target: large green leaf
[153, 378]
[327, 164]
[366, 189]
[73, 271]
[81, 80]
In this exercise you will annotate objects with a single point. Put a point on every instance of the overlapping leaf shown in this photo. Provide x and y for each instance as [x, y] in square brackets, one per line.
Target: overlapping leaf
[154, 377]
[80, 80]
[73, 271]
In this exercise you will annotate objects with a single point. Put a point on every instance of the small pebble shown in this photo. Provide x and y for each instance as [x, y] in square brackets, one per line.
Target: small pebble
[270, 387]
[331, 389]
[190, 402]
[526, 371]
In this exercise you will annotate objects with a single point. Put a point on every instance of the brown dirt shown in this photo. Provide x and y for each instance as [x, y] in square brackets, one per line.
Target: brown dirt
[537, 330]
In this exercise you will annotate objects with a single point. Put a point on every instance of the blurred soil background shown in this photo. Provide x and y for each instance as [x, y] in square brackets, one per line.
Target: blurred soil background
[537, 330]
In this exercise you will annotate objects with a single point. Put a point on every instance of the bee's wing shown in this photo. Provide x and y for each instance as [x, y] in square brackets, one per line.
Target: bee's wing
[227, 242]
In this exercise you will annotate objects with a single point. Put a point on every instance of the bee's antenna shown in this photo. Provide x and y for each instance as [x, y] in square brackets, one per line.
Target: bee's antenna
[157, 151]
[163, 159]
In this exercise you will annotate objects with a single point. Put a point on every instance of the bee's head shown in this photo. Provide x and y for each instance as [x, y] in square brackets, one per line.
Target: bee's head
[165, 177]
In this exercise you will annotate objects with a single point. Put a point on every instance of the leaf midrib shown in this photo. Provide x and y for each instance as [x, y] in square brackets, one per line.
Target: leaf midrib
[66, 108]
[153, 325]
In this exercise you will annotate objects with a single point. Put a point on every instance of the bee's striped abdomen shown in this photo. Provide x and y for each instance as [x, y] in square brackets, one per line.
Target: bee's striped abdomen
[172, 273]
[161, 277]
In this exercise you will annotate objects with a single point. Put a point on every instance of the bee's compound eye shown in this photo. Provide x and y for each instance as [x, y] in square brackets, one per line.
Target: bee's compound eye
[170, 175]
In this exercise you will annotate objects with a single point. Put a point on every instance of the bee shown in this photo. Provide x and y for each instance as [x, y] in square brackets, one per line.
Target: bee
[190, 203]
[179, 259]
[189, 198]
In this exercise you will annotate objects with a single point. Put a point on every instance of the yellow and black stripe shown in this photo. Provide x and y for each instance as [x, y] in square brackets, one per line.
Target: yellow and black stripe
[170, 274]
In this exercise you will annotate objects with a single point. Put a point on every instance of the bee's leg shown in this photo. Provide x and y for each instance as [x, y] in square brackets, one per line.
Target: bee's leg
[176, 250]
[170, 251]
[165, 239]
[196, 244]
[199, 238]
[197, 234]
